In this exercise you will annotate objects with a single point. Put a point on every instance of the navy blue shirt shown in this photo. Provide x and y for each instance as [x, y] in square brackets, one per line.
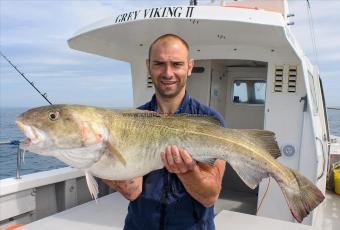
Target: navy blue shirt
[164, 203]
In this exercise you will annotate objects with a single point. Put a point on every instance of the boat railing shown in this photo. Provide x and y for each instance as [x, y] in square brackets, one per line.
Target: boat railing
[20, 155]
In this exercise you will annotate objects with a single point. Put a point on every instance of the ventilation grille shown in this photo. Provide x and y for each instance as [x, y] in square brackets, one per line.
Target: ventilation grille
[278, 83]
[149, 83]
[285, 78]
[292, 73]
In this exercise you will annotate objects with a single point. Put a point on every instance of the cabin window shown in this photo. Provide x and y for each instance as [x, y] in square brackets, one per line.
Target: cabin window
[249, 92]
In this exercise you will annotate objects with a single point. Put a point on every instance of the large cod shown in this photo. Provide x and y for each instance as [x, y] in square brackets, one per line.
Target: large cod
[121, 145]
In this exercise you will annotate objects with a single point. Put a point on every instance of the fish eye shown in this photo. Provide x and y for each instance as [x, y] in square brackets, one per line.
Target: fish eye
[53, 115]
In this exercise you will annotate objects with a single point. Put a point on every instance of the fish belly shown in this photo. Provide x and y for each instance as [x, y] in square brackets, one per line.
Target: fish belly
[139, 162]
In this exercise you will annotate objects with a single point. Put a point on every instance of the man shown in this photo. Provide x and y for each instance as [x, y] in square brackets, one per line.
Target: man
[181, 195]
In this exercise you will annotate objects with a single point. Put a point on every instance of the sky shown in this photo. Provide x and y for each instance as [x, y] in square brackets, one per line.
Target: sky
[34, 34]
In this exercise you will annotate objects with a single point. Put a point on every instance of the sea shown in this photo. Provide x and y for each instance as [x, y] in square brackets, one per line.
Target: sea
[37, 163]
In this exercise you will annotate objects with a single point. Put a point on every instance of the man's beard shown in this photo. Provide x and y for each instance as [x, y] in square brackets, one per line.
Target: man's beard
[173, 94]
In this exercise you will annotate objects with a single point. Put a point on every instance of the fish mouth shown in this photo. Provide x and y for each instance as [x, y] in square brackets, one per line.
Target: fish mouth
[33, 135]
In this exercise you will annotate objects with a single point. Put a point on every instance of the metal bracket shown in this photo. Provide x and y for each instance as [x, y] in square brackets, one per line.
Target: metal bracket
[304, 99]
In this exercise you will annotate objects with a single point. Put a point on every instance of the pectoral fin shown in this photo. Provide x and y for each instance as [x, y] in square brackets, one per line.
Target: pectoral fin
[92, 185]
[115, 153]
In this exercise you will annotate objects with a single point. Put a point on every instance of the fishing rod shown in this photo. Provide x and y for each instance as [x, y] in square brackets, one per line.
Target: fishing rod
[44, 95]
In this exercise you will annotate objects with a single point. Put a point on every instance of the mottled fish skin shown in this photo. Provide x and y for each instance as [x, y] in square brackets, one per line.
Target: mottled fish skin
[124, 144]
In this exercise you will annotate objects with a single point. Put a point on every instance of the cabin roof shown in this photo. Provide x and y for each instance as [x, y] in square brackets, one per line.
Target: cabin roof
[129, 34]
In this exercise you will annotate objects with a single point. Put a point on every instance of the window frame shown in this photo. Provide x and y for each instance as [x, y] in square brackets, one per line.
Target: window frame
[254, 80]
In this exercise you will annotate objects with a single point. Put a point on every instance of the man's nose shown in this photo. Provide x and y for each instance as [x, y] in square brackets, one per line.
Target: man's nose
[168, 72]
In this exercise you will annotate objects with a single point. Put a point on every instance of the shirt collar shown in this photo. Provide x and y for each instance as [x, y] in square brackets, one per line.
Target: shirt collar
[181, 108]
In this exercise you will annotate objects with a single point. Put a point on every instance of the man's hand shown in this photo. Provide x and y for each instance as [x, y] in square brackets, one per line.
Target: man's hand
[177, 160]
[130, 189]
[201, 181]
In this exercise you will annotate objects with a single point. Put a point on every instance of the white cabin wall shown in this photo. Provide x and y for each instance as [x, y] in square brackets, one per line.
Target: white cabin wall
[198, 84]
[318, 131]
[314, 154]
[141, 94]
[219, 87]
[308, 159]
[283, 115]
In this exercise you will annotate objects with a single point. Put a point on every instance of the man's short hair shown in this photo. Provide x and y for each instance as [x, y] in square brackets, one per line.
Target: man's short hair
[168, 36]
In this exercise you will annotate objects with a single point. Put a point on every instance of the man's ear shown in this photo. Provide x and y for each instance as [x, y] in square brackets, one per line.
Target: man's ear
[191, 66]
[147, 62]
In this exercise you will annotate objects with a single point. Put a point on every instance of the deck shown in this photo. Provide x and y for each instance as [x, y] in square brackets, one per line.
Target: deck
[109, 213]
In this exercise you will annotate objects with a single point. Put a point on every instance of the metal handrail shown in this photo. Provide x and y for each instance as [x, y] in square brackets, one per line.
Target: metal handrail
[324, 159]
[19, 155]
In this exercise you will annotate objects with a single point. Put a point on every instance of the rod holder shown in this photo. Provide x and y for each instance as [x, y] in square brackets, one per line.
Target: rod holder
[19, 161]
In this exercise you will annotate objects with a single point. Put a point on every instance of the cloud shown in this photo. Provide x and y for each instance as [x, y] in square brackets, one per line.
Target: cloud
[325, 15]
[335, 74]
[34, 35]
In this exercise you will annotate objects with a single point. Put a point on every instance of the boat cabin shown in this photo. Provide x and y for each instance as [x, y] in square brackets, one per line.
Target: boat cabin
[248, 66]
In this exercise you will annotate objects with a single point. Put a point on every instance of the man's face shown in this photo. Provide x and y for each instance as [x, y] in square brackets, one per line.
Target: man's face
[169, 66]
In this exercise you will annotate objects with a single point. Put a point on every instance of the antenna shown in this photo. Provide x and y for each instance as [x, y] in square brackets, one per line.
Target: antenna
[312, 32]
[22, 74]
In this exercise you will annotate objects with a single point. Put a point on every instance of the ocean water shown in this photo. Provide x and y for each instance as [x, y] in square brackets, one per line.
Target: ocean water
[334, 122]
[36, 163]
[8, 153]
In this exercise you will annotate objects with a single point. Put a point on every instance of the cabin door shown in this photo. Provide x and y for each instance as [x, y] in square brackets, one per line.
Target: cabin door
[238, 93]
[246, 97]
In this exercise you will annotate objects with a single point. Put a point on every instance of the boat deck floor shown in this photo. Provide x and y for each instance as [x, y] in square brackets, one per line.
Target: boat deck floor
[330, 211]
[237, 202]
[109, 213]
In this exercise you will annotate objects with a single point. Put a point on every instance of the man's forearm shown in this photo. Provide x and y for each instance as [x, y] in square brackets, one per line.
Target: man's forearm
[130, 189]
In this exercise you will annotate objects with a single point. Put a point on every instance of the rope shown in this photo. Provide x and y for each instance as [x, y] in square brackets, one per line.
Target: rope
[264, 195]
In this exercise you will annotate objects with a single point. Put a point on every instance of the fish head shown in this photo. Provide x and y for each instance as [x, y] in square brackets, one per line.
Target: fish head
[73, 134]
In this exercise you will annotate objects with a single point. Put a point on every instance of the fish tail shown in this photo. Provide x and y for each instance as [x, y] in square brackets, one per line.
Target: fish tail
[304, 199]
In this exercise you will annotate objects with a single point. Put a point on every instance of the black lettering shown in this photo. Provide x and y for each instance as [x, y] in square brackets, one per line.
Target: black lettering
[123, 17]
[165, 11]
[172, 11]
[179, 13]
[156, 13]
[151, 13]
[118, 18]
[129, 16]
[136, 14]
[146, 12]
[189, 11]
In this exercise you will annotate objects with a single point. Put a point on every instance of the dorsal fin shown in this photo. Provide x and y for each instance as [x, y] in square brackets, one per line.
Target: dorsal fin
[264, 139]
